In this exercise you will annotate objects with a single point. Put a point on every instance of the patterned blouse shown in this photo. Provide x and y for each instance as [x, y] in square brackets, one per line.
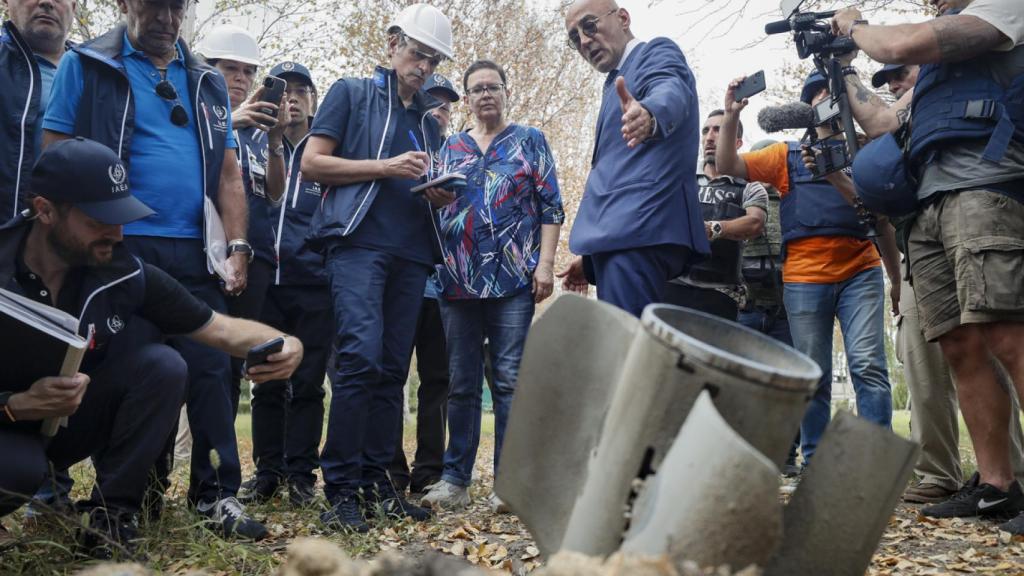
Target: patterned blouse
[490, 235]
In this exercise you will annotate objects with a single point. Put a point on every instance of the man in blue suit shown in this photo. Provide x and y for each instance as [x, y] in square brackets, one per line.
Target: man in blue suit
[639, 223]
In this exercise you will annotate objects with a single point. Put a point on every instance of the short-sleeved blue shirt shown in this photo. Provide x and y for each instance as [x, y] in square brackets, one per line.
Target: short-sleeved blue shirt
[398, 222]
[47, 71]
[166, 166]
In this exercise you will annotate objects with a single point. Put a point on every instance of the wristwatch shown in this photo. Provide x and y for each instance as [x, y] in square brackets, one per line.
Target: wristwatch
[240, 246]
[5, 411]
[716, 229]
[849, 71]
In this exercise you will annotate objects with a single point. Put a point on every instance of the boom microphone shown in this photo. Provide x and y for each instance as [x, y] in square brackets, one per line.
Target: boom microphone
[793, 116]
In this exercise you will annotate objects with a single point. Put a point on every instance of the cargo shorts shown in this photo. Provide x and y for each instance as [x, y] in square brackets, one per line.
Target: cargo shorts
[966, 254]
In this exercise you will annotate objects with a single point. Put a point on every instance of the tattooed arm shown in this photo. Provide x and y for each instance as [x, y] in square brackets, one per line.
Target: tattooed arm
[945, 39]
[875, 115]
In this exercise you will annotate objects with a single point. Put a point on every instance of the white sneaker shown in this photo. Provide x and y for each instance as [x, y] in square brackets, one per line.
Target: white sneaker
[498, 505]
[446, 495]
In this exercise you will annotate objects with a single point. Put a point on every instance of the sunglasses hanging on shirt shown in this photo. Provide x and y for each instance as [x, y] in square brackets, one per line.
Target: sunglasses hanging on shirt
[164, 89]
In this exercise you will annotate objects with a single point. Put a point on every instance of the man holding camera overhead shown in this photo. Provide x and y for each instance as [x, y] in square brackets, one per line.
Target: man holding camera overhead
[962, 180]
[831, 268]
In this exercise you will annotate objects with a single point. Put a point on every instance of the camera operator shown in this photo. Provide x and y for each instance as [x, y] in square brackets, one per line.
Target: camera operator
[900, 78]
[966, 245]
[733, 211]
[830, 268]
[68, 254]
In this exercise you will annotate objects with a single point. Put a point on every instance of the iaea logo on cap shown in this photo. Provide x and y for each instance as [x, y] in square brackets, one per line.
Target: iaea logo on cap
[438, 79]
[288, 66]
[117, 175]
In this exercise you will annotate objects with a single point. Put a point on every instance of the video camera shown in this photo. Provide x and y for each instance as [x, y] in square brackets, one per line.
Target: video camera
[812, 31]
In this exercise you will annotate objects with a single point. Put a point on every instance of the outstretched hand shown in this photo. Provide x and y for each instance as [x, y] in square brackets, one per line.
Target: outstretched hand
[573, 277]
[637, 122]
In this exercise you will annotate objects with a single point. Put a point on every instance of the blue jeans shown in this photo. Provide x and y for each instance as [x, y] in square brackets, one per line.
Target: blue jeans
[859, 303]
[505, 323]
[377, 299]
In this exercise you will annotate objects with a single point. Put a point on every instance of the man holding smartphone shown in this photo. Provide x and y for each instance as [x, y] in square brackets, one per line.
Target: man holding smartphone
[124, 402]
[370, 143]
[140, 91]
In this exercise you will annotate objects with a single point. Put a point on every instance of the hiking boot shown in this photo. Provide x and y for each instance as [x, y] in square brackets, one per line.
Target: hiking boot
[498, 505]
[384, 497]
[345, 514]
[229, 515]
[108, 534]
[261, 491]
[1014, 526]
[927, 493]
[301, 493]
[446, 495]
[977, 499]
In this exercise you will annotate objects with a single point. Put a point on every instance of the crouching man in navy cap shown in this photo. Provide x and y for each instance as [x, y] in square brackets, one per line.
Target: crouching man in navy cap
[65, 252]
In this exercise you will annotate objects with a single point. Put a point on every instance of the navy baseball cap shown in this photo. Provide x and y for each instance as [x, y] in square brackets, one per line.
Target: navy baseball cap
[288, 67]
[439, 85]
[881, 78]
[814, 83]
[90, 177]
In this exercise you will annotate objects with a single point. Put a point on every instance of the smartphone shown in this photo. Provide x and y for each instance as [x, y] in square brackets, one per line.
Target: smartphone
[258, 354]
[753, 84]
[273, 91]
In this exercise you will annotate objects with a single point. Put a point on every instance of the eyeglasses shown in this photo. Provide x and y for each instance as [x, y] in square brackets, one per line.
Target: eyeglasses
[434, 58]
[588, 26]
[164, 89]
[477, 91]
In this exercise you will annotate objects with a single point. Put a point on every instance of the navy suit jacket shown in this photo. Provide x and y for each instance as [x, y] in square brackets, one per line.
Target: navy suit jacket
[647, 195]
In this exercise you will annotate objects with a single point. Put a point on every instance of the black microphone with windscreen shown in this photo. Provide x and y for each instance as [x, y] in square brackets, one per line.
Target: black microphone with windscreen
[793, 116]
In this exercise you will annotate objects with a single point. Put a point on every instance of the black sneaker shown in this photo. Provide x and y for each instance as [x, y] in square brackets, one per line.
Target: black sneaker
[977, 499]
[109, 534]
[301, 493]
[262, 490]
[1014, 526]
[230, 517]
[383, 497]
[345, 514]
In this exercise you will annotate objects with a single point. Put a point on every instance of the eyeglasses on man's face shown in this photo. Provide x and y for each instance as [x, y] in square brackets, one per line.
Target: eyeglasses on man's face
[478, 91]
[588, 26]
[421, 53]
[164, 89]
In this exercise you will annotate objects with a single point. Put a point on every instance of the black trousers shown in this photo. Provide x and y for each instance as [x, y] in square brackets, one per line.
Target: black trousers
[288, 415]
[249, 304]
[129, 408]
[432, 397]
[706, 300]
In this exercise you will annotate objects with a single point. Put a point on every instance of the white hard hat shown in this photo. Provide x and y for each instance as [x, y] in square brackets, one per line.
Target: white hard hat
[229, 42]
[426, 25]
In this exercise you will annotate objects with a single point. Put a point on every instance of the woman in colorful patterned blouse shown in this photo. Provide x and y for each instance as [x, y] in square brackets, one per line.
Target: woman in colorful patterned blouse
[498, 243]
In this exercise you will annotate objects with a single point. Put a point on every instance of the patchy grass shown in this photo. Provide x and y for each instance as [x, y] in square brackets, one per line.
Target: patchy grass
[178, 543]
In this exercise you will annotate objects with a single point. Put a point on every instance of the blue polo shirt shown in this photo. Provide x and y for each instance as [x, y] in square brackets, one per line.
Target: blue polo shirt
[166, 167]
[398, 222]
[47, 71]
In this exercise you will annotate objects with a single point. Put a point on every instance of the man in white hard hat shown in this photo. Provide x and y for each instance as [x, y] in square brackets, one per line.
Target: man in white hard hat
[369, 144]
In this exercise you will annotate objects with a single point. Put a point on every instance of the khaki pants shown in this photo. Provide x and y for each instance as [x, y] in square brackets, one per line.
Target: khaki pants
[933, 402]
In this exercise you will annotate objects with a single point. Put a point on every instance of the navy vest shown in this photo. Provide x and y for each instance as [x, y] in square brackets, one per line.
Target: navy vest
[252, 161]
[963, 101]
[297, 264]
[720, 199]
[106, 111]
[109, 297]
[813, 207]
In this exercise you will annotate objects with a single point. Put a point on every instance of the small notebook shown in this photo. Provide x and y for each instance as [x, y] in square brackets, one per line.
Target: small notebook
[452, 182]
[39, 341]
